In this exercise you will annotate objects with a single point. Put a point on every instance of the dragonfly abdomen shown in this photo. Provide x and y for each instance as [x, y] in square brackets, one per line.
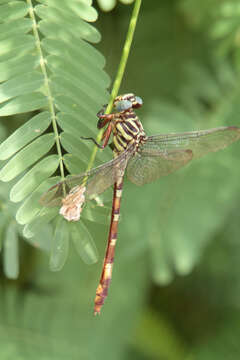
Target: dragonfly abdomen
[106, 276]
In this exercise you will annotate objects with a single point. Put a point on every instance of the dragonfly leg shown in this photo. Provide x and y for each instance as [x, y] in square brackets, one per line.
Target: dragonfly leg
[106, 135]
[93, 140]
[102, 111]
[104, 119]
[106, 276]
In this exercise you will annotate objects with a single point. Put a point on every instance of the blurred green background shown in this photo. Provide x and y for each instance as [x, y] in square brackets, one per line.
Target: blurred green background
[175, 292]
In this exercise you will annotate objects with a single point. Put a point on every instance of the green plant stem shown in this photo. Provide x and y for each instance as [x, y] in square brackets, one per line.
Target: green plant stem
[47, 86]
[120, 72]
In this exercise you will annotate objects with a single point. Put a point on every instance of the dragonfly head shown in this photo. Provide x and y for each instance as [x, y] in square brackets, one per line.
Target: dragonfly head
[127, 101]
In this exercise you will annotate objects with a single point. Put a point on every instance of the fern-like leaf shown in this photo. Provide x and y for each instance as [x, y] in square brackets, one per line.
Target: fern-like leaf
[48, 65]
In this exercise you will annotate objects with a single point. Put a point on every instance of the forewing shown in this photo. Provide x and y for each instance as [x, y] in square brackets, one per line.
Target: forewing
[53, 196]
[200, 142]
[163, 154]
[96, 180]
[146, 167]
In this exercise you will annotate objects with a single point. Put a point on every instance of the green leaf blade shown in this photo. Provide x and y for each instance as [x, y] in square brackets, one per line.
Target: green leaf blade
[42, 240]
[76, 125]
[31, 206]
[34, 177]
[98, 214]
[10, 258]
[26, 157]
[23, 103]
[24, 135]
[59, 246]
[81, 9]
[43, 217]
[82, 149]
[20, 85]
[16, 46]
[90, 73]
[18, 65]
[79, 91]
[74, 164]
[15, 27]
[84, 243]
[79, 49]
[54, 20]
[14, 10]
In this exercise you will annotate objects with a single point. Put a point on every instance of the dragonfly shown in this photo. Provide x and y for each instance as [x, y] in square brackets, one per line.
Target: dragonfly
[143, 158]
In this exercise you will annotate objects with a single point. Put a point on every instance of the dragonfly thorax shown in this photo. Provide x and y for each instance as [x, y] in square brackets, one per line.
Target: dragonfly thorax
[127, 129]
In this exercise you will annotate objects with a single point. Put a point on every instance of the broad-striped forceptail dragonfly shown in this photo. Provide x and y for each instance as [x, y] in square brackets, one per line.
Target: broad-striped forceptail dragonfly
[144, 159]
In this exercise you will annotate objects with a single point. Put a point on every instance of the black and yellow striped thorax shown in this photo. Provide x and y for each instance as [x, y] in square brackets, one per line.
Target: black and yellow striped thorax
[127, 129]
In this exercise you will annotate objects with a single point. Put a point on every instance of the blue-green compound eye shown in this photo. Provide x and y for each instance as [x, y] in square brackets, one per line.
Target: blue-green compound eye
[139, 100]
[123, 105]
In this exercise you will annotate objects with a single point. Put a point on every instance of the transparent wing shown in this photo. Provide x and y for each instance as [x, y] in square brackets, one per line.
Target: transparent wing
[146, 167]
[200, 142]
[163, 154]
[96, 180]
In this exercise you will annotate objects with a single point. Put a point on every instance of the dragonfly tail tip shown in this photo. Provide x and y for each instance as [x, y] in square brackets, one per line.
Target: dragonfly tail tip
[96, 312]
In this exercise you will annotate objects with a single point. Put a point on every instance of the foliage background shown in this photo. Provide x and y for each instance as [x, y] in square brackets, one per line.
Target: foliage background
[176, 289]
